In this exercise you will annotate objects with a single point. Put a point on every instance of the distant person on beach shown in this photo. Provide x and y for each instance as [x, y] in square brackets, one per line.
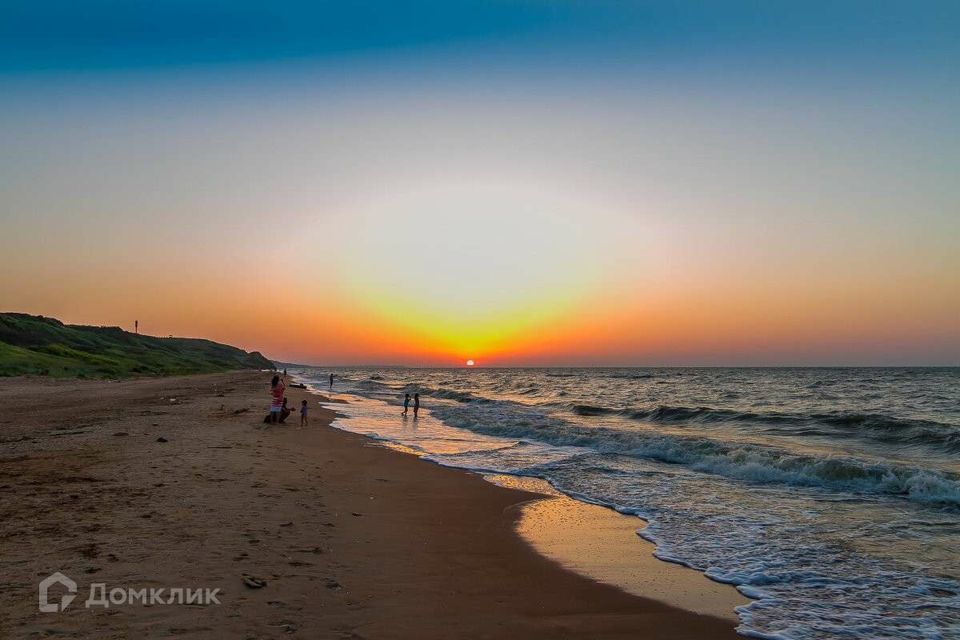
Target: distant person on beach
[416, 404]
[331, 381]
[277, 390]
[406, 403]
[303, 413]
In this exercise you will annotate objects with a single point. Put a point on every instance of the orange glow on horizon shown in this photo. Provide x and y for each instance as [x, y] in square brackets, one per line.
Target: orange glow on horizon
[670, 320]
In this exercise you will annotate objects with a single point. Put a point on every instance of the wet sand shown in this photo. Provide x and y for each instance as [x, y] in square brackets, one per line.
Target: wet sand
[175, 483]
[602, 544]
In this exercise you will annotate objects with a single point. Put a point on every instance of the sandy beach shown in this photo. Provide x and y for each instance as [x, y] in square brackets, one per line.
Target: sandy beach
[175, 483]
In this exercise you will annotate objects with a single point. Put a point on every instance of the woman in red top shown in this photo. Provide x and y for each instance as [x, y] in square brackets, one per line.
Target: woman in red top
[277, 389]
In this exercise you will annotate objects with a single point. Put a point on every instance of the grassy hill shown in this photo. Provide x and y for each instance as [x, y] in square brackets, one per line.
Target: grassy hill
[45, 346]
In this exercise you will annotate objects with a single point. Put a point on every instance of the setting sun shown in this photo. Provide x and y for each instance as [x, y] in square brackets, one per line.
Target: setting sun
[470, 363]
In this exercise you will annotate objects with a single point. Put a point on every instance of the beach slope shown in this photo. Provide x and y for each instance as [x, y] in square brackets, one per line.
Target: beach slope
[170, 483]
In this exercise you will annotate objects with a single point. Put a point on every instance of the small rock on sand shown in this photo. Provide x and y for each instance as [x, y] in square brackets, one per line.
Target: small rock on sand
[254, 583]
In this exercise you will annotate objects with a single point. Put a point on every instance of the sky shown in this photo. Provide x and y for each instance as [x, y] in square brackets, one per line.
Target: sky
[521, 183]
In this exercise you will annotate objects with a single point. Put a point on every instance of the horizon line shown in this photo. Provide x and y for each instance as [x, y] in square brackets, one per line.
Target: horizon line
[621, 366]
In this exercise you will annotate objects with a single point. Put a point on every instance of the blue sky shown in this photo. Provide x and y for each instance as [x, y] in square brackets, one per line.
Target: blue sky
[115, 34]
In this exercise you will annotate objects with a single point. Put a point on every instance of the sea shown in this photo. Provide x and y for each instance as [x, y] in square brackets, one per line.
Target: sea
[829, 496]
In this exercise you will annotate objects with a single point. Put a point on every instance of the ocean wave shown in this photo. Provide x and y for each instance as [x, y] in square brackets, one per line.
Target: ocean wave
[897, 431]
[667, 414]
[630, 376]
[462, 397]
[590, 410]
[746, 462]
[882, 428]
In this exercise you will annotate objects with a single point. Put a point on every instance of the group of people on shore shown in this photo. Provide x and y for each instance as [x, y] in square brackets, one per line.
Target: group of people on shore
[279, 411]
[416, 404]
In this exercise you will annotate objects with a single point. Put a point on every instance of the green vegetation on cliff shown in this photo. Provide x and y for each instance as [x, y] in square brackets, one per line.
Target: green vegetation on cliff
[45, 346]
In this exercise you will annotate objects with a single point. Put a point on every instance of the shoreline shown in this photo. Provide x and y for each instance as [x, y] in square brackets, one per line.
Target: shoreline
[601, 544]
[591, 539]
[352, 539]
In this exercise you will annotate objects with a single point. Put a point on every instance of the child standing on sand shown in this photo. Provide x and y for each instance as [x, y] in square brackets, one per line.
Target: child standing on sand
[303, 413]
[406, 403]
[416, 404]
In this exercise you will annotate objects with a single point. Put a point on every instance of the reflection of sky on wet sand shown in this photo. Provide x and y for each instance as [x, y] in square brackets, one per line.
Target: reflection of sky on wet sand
[602, 544]
[421, 436]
